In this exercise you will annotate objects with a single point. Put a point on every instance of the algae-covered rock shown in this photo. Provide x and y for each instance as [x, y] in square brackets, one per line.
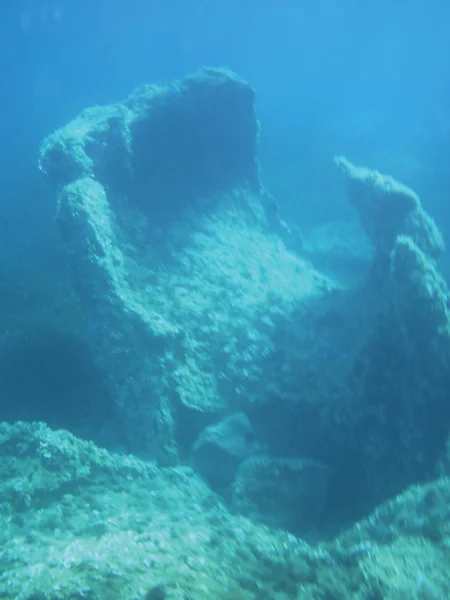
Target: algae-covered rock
[197, 307]
[78, 522]
[388, 208]
[178, 255]
[401, 372]
[421, 297]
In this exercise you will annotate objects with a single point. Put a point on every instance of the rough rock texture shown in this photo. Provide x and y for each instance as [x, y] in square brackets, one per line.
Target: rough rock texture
[400, 378]
[421, 298]
[165, 141]
[78, 522]
[197, 307]
[220, 449]
[177, 255]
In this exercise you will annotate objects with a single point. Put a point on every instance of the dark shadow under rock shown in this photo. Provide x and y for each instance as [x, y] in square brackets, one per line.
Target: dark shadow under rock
[50, 376]
[284, 493]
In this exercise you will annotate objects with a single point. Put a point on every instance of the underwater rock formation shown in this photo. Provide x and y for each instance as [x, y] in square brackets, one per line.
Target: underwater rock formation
[387, 208]
[407, 244]
[421, 299]
[79, 522]
[401, 375]
[197, 307]
[177, 254]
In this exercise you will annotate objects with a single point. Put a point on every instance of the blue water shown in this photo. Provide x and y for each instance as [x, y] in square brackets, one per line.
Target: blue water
[366, 79]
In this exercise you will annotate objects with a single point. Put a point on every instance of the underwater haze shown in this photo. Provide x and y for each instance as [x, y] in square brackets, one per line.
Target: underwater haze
[224, 307]
[367, 78]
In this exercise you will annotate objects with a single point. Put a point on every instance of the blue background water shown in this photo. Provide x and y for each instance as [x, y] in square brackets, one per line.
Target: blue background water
[367, 79]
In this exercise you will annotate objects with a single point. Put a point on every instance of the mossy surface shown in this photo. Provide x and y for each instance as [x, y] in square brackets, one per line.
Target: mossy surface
[78, 522]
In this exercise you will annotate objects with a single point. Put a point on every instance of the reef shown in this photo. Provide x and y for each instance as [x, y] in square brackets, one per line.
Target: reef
[79, 522]
[304, 397]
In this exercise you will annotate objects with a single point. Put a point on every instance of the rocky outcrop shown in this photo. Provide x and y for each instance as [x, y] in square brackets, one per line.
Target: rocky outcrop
[77, 521]
[197, 308]
[399, 379]
[178, 256]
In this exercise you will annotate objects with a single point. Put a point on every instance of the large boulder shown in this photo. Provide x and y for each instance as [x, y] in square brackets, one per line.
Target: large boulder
[220, 449]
